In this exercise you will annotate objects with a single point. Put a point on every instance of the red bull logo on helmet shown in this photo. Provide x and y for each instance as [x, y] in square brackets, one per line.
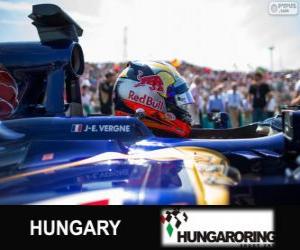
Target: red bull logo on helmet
[146, 100]
[154, 83]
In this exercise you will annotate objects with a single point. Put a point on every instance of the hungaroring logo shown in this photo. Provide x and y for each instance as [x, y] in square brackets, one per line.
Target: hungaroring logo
[217, 227]
[174, 218]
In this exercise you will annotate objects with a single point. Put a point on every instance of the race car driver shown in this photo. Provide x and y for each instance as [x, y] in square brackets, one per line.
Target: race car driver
[8, 94]
[156, 93]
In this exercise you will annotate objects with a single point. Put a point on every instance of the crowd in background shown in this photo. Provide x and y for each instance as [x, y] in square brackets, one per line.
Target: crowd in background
[246, 97]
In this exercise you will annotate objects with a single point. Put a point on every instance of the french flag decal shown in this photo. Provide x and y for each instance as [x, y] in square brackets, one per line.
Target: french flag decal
[76, 128]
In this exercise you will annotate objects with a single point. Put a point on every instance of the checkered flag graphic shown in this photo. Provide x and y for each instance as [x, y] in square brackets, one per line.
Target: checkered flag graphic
[173, 219]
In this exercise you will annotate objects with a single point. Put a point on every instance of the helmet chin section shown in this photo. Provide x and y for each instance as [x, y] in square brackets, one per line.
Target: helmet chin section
[174, 128]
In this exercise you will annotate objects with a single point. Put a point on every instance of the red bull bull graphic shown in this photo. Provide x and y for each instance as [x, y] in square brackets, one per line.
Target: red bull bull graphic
[146, 100]
[8, 94]
[154, 83]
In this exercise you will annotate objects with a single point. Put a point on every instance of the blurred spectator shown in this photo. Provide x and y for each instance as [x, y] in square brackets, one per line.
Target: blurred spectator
[105, 93]
[86, 98]
[271, 106]
[234, 105]
[296, 99]
[247, 109]
[216, 101]
[195, 109]
[259, 91]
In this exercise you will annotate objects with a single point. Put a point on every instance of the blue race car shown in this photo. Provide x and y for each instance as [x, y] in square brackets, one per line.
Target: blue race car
[51, 154]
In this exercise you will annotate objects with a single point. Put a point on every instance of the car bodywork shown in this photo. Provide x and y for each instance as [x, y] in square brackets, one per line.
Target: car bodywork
[51, 154]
